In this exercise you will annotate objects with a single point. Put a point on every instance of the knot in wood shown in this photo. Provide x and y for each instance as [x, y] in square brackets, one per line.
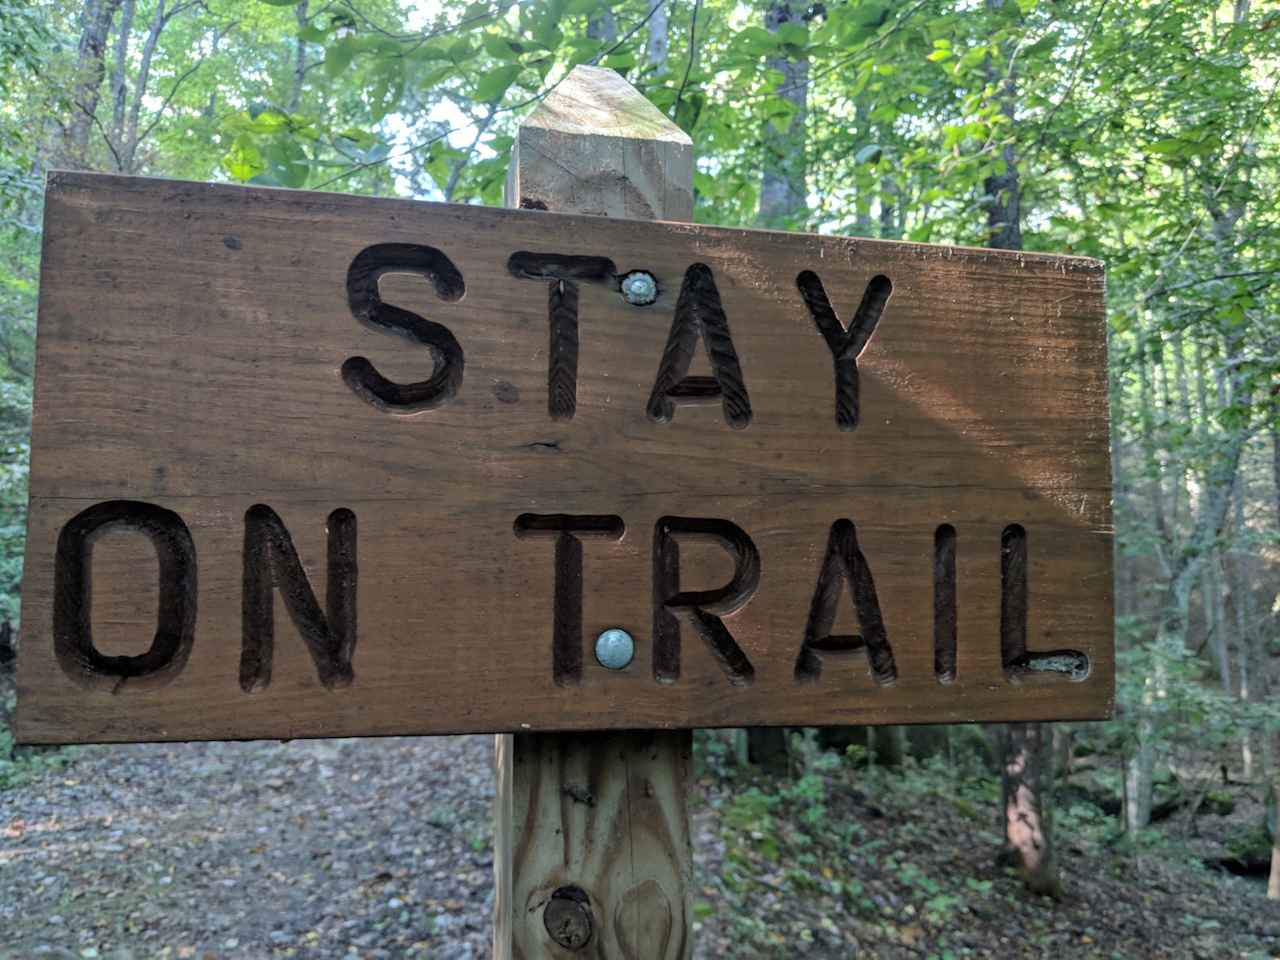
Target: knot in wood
[567, 918]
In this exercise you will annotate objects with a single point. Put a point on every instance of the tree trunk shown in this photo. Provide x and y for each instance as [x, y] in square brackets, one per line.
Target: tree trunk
[119, 88]
[603, 26]
[1026, 786]
[1171, 635]
[299, 58]
[1026, 771]
[783, 194]
[1215, 623]
[91, 68]
[767, 748]
[659, 40]
[783, 201]
[128, 150]
[1248, 640]
[1273, 881]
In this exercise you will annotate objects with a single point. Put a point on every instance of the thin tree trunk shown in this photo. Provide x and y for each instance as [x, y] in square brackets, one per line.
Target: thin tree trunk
[119, 88]
[889, 226]
[603, 26]
[95, 28]
[783, 193]
[783, 202]
[1215, 623]
[1171, 635]
[1273, 882]
[129, 149]
[299, 59]
[1252, 675]
[1026, 775]
[659, 40]
[1275, 464]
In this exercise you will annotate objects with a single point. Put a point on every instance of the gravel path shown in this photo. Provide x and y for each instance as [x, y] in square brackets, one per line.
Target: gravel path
[309, 849]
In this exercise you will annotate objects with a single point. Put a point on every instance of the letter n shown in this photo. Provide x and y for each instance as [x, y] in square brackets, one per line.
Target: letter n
[271, 563]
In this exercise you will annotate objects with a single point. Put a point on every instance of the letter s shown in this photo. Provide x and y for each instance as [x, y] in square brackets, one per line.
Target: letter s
[367, 307]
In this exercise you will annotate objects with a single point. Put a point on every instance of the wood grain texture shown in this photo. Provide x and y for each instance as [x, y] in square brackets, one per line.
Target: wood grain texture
[605, 814]
[190, 353]
[593, 855]
[595, 146]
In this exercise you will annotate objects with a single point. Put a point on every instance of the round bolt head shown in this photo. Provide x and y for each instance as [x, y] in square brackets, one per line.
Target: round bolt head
[615, 648]
[567, 917]
[639, 288]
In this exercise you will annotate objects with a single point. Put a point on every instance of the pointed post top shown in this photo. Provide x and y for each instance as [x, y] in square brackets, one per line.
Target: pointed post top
[597, 101]
[596, 145]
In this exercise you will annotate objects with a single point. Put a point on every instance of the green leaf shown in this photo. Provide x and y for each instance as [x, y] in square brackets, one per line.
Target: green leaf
[385, 87]
[501, 47]
[493, 85]
[1047, 42]
[280, 3]
[461, 50]
[793, 34]
[244, 160]
[937, 55]
[339, 56]
[1171, 147]
[622, 61]
[268, 121]
[288, 163]
[690, 109]
[756, 41]
[313, 34]
[866, 153]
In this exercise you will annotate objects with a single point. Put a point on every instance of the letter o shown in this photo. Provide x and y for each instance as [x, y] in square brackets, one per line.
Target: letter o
[72, 606]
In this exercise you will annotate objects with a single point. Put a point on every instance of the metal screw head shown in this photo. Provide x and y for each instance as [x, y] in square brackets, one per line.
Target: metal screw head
[639, 288]
[615, 648]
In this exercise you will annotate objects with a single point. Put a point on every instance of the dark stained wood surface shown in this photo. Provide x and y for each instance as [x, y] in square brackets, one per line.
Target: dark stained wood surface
[191, 354]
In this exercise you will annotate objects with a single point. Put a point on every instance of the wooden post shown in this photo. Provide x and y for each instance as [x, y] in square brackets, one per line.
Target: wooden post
[592, 851]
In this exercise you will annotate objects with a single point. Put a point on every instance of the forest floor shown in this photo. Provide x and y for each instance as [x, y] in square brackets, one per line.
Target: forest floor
[381, 849]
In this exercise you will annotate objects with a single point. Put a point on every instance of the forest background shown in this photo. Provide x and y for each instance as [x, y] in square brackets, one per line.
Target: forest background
[1142, 132]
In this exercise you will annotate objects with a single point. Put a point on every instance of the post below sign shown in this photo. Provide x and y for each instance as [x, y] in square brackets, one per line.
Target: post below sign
[316, 465]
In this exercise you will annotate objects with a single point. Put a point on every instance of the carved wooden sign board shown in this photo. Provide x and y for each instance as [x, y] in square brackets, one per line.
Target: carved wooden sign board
[317, 465]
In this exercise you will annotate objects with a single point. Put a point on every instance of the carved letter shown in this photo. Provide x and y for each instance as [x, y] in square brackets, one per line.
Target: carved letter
[699, 316]
[566, 636]
[944, 603]
[1017, 660]
[562, 275]
[271, 562]
[72, 586]
[844, 562]
[702, 608]
[845, 345]
[367, 307]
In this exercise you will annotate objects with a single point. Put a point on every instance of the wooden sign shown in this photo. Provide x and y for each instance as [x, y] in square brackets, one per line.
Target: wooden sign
[317, 465]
